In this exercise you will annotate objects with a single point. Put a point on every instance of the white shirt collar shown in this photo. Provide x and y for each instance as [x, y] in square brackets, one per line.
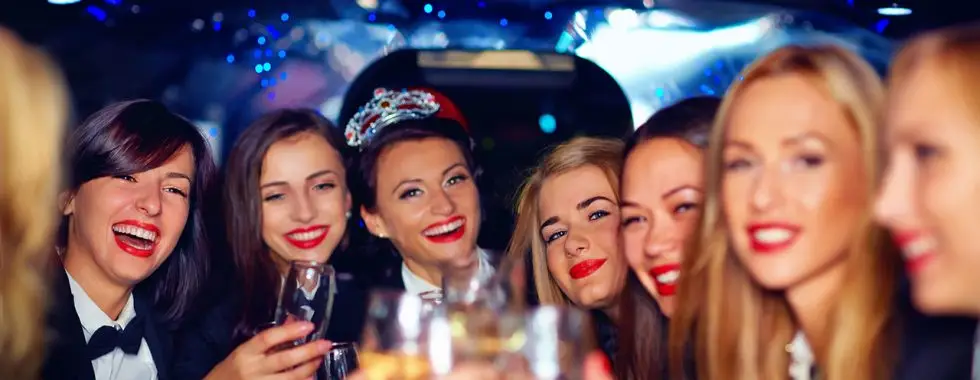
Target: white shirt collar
[417, 285]
[91, 316]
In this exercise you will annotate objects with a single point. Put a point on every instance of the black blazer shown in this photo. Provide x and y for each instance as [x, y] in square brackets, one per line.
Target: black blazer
[66, 358]
[208, 339]
[933, 348]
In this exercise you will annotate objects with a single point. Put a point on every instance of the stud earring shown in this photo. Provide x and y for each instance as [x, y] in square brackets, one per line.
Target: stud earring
[347, 214]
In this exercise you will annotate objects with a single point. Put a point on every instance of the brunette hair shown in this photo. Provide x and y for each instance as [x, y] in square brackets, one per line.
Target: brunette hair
[254, 267]
[735, 327]
[409, 130]
[132, 137]
[642, 354]
[33, 112]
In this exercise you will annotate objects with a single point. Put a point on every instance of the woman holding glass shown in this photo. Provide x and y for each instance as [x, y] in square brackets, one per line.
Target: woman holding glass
[661, 194]
[287, 205]
[132, 242]
[568, 219]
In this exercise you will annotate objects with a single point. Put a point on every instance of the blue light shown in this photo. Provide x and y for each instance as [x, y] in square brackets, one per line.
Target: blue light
[547, 123]
[261, 40]
[372, 17]
[548, 15]
[481, 4]
[251, 13]
[230, 58]
[282, 75]
[264, 83]
[503, 22]
[272, 95]
[63, 2]
[894, 10]
[268, 53]
[113, 2]
[284, 17]
[216, 26]
[441, 14]
[257, 53]
[258, 68]
[707, 90]
[96, 12]
[282, 54]
[272, 82]
[881, 25]
[267, 66]
[427, 8]
[660, 92]
[273, 33]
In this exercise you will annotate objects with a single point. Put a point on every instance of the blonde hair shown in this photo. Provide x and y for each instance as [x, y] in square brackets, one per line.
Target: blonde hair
[604, 153]
[953, 53]
[737, 329]
[32, 115]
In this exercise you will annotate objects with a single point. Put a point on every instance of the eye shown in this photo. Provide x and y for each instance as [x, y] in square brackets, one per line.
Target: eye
[456, 179]
[177, 191]
[737, 164]
[632, 220]
[810, 160]
[127, 178]
[924, 152]
[598, 214]
[685, 207]
[273, 197]
[324, 186]
[410, 193]
[555, 236]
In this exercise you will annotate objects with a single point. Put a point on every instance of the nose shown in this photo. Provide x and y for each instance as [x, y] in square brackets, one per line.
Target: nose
[575, 243]
[303, 210]
[893, 203]
[443, 204]
[662, 238]
[767, 191]
[150, 203]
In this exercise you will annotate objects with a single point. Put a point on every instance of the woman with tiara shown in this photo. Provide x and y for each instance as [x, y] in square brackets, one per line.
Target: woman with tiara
[416, 184]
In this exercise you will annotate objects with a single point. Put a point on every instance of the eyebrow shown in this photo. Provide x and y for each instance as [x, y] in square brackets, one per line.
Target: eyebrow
[668, 193]
[180, 176]
[309, 177]
[792, 140]
[419, 180]
[581, 205]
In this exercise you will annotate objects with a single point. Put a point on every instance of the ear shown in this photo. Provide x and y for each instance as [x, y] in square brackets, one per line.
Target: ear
[348, 201]
[374, 223]
[66, 201]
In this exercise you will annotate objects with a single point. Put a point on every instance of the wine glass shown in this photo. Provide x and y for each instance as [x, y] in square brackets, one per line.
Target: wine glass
[554, 346]
[340, 361]
[395, 341]
[307, 295]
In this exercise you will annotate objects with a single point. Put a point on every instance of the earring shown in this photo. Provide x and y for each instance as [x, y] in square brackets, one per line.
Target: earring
[381, 236]
[348, 214]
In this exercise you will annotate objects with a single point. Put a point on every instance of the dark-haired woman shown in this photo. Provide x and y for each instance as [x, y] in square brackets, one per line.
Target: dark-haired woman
[661, 194]
[416, 186]
[286, 199]
[132, 243]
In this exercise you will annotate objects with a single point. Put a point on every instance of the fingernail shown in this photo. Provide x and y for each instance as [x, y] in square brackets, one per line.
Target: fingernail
[305, 326]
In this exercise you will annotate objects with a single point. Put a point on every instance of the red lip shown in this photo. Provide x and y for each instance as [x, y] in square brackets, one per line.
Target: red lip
[662, 288]
[585, 268]
[307, 244]
[142, 253]
[767, 247]
[450, 237]
[912, 264]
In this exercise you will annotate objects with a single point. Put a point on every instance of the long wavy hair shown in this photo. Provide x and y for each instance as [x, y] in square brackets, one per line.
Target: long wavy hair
[33, 111]
[738, 330]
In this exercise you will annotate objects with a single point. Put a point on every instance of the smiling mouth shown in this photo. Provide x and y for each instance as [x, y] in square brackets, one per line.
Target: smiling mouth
[665, 278]
[307, 238]
[447, 231]
[917, 250]
[136, 238]
[767, 238]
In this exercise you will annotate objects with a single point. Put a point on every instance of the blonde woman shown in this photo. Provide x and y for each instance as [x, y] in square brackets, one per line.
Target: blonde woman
[32, 114]
[786, 224]
[929, 199]
[568, 220]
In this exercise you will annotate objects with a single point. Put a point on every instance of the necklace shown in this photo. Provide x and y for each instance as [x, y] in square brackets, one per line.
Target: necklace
[800, 358]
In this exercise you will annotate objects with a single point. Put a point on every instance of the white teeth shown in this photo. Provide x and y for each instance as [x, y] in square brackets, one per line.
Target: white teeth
[918, 247]
[444, 229]
[669, 277]
[132, 230]
[772, 235]
[309, 235]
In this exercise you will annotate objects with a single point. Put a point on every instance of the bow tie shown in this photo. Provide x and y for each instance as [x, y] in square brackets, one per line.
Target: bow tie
[107, 338]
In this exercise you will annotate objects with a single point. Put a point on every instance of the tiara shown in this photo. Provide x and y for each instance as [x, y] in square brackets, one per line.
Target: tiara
[388, 107]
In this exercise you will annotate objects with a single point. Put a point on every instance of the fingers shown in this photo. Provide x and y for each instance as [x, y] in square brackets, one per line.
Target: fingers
[597, 367]
[276, 336]
[303, 372]
[283, 360]
[359, 375]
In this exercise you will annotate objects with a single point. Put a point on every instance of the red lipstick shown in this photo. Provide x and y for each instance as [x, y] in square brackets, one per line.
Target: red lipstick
[127, 242]
[314, 235]
[665, 288]
[779, 236]
[585, 268]
[916, 252]
[435, 234]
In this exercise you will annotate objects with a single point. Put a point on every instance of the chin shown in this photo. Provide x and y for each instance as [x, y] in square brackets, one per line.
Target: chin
[935, 301]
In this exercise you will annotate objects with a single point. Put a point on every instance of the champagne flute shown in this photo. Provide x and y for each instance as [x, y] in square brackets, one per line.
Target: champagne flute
[395, 341]
[340, 361]
[307, 294]
[554, 346]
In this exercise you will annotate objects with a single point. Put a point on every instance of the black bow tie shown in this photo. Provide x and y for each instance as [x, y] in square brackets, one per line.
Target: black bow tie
[107, 338]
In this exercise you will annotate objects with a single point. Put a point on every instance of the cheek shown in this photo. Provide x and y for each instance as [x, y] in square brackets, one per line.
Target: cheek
[557, 264]
[951, 206]
[177, 217]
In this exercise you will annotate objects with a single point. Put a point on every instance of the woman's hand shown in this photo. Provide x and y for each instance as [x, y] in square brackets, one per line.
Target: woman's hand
[596, 368]
[258, 359]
